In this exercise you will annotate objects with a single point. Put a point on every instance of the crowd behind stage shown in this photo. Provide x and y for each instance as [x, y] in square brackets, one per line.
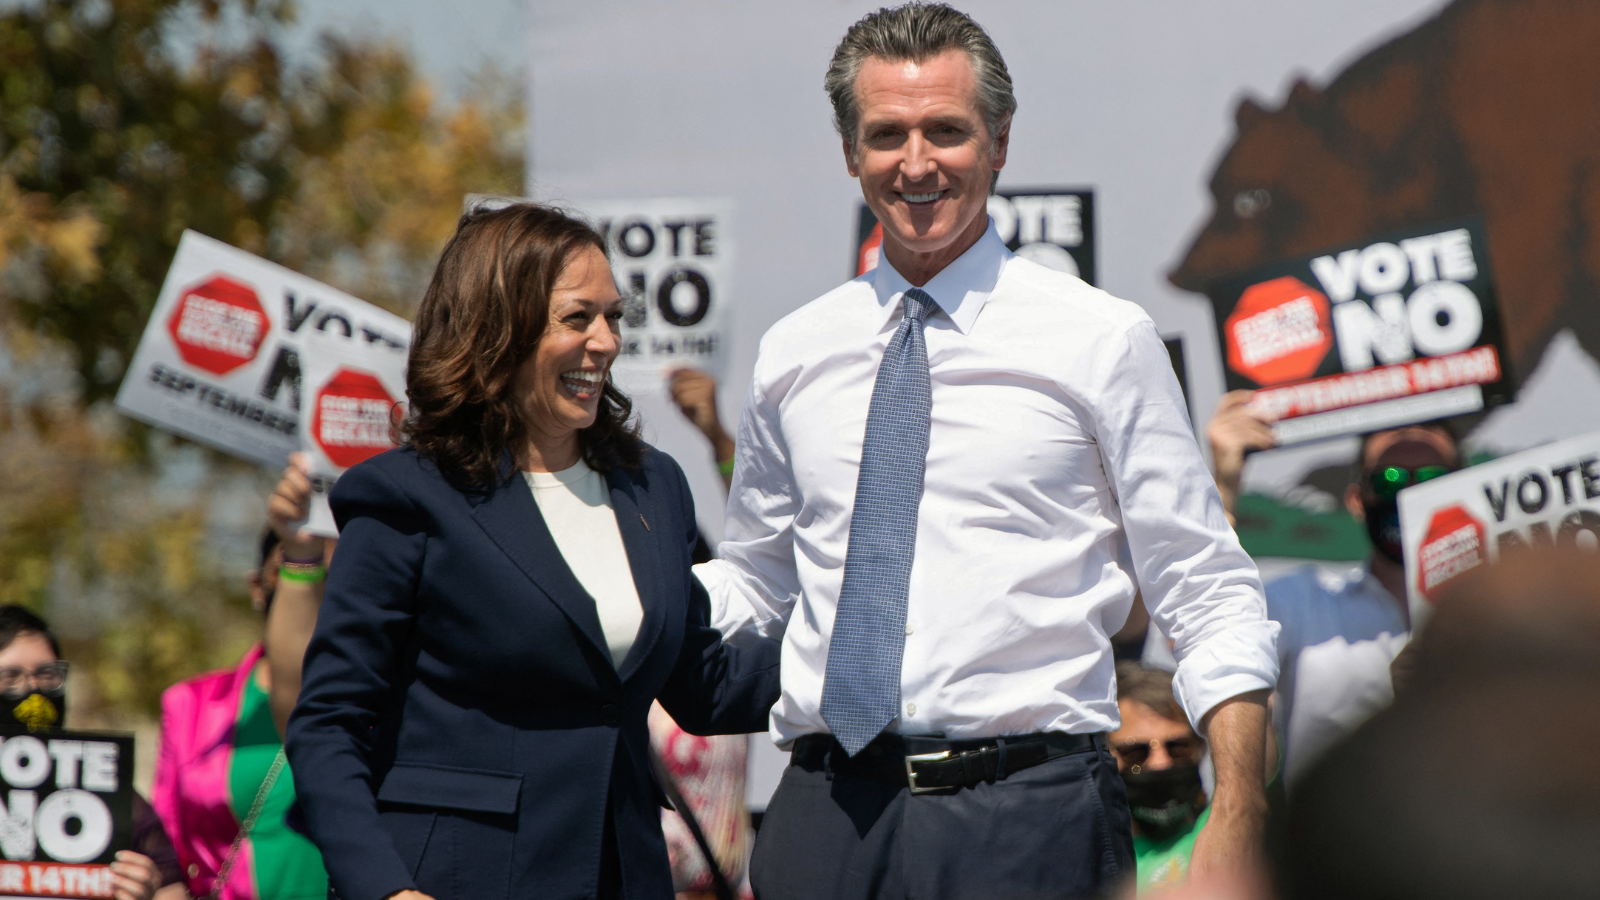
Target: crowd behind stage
[1452, 765]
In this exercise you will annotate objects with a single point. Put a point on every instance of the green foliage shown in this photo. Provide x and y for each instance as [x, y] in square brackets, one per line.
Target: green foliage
[98, 116]
[135, 545]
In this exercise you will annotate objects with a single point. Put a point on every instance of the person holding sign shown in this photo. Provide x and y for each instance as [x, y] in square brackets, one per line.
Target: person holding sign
[511, 592]
[221, 784]
[953, 476]
[1340, 630]
[33, 680]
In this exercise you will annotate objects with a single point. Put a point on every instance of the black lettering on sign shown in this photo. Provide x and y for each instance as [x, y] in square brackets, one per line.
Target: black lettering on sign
[1498, 504]
[1583, 521]
[635, 239]
[285, 368]
[705, 238]
[296, 317]
[676, 230]
[634, 308]
[1532, 505]
[1561, 473]
[331, 317]
[702, 289]
[1591, 478]
[373, 336]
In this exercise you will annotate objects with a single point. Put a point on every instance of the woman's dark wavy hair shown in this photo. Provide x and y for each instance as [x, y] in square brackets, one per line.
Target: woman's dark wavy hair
[483, 315]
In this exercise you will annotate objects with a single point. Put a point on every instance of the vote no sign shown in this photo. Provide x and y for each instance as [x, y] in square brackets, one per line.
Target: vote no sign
[1394, 329]
[67, 808]
[220, 360]
[1545, 497]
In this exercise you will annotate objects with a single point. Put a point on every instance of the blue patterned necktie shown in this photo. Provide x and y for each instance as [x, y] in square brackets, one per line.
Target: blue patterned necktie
[861, 692]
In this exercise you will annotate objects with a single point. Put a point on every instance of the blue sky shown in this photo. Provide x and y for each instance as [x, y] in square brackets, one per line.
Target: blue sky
[450, 40]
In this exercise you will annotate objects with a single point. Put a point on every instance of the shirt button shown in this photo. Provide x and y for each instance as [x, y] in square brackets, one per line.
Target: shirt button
[909, 629]
[611, 714]
[911, 709]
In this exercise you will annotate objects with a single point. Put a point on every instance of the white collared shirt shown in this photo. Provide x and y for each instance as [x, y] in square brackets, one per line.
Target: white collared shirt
[1062, 477]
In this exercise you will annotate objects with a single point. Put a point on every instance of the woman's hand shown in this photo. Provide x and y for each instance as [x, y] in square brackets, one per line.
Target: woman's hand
[289, 504]
[134, 876]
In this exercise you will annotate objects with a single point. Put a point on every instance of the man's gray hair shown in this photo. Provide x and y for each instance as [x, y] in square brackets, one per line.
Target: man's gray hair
[917, 32]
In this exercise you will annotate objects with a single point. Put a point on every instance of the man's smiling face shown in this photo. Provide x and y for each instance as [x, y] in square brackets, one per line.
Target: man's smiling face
[923, 155]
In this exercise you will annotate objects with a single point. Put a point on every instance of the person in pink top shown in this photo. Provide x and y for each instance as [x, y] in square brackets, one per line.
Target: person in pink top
[222, 787]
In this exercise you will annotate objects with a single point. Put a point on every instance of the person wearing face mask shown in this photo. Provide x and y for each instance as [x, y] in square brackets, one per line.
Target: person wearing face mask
[1340, 629]
[512, 590]
[1158, 756]
[33, 694]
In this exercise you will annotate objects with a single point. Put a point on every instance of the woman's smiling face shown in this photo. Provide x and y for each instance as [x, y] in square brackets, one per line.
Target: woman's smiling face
[558, 386]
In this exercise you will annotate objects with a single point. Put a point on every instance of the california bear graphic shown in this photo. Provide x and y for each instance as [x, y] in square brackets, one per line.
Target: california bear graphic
[1491, 107]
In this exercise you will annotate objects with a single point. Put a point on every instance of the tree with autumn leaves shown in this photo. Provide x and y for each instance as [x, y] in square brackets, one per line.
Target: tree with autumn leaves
[115, 136]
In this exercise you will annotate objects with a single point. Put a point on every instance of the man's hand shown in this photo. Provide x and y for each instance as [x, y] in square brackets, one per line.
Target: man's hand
[289, 504]
[1229, 849]
[1235, 430]
[408, 895]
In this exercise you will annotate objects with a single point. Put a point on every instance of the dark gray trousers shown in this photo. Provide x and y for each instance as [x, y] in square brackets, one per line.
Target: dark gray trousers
[1059, 830]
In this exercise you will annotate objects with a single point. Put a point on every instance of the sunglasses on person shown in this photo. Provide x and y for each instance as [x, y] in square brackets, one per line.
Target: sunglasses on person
[1389, 480]
[1136, 753]
[15, 681]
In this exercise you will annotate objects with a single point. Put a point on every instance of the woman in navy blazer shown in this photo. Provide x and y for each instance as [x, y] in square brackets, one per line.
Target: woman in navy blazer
[463, 729]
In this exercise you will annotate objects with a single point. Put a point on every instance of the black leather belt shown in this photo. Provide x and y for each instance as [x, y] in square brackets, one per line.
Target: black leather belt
[926, 764]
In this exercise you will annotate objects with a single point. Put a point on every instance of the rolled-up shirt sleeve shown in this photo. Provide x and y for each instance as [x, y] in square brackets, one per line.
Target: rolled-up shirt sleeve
[754, 584]
[1201, 588]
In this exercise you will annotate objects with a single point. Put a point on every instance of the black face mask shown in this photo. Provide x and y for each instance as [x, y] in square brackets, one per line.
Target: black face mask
[1165, 803]
[36, 711]
[1383, 527]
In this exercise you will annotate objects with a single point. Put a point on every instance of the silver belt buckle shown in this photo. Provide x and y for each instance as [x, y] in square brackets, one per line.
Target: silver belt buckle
[911, 772]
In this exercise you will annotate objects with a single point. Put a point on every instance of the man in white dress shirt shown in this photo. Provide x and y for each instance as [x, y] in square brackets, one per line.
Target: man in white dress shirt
[954, 474]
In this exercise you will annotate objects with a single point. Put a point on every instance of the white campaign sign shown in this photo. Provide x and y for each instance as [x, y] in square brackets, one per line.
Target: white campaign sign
[1547, 496]
[353, 401]
[220, 359]
[673, 260]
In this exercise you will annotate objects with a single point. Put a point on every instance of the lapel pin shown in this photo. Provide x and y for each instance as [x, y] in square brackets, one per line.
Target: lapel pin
[643, 522]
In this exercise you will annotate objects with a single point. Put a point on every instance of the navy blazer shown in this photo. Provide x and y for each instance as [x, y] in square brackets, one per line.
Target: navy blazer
[462, 729]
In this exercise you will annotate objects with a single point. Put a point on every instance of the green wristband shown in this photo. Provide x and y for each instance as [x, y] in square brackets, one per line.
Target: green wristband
[304, 575]
[726, 468]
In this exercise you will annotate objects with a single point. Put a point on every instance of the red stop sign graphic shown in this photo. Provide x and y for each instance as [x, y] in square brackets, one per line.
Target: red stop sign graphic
[218, 325]
[351, 420]
[1455, 542]
[1280, 331]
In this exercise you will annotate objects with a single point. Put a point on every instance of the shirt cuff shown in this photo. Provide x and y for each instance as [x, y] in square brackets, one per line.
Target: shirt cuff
[731, 613]
[1238, 660]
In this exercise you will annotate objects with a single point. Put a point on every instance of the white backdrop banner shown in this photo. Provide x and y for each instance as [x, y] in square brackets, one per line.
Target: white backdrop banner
[220, 359]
